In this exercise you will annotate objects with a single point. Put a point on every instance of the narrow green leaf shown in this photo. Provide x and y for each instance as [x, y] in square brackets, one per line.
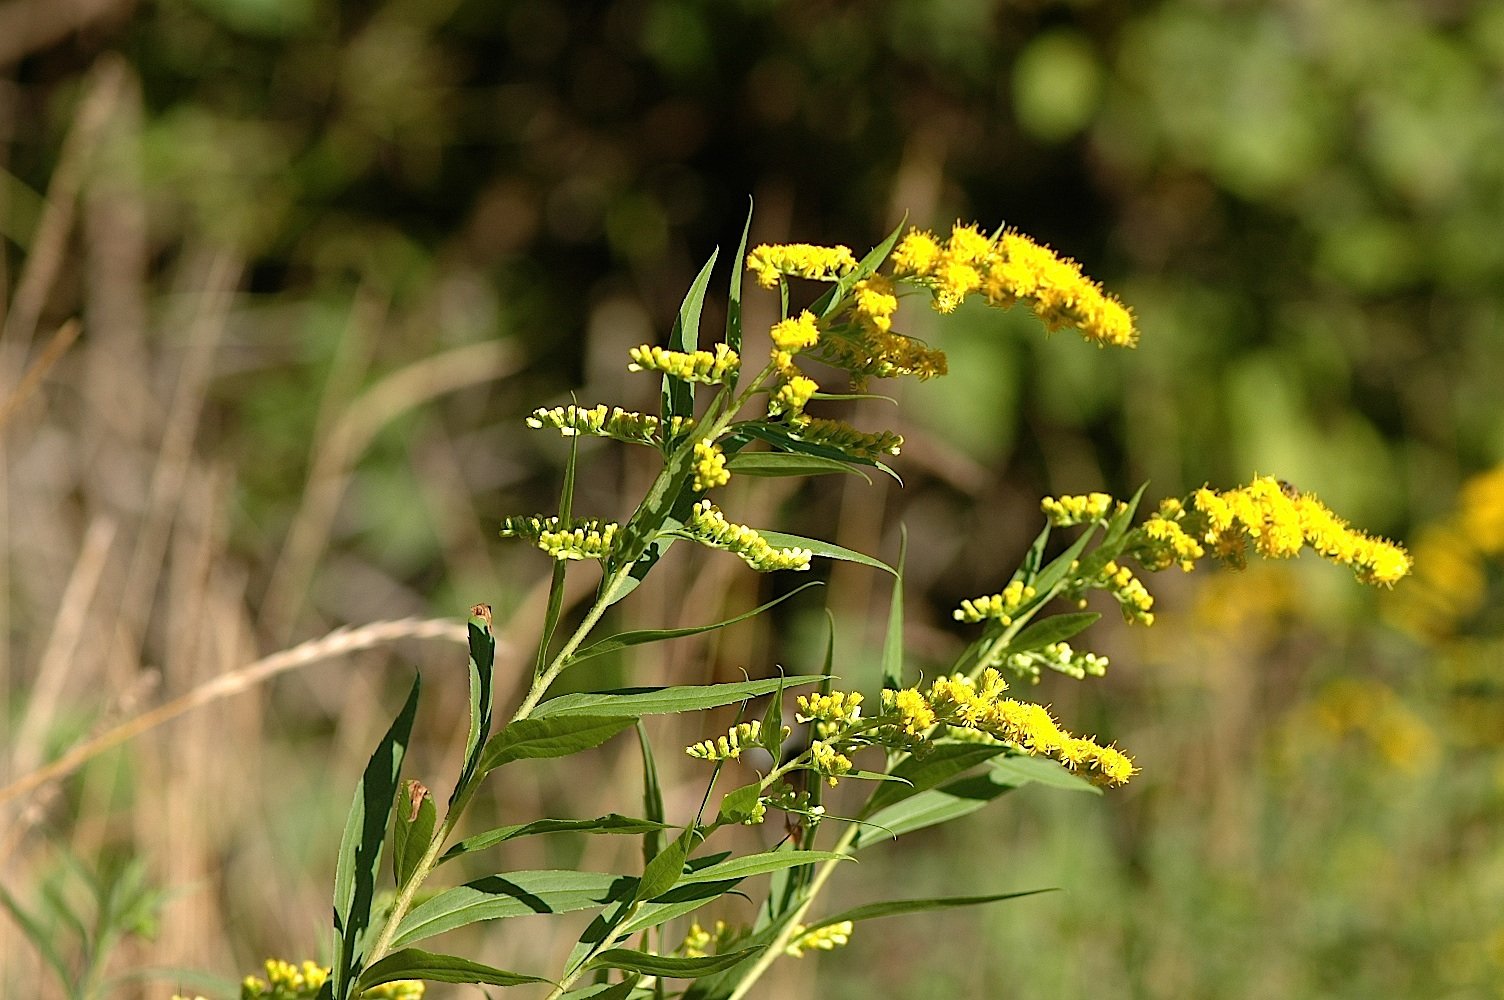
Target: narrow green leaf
[828, 550]
[678, 395]
[666, 965]
[740, 805]
[360, 846]
[937, 805]
[1056, 628]
[41, 939]
[778, 436]
[551, 737]
[779, 463]
[514, 894]
[612, 823]
[482, 672]
[623, 640]
[652, 797]
[893, 642]
[603, 991]
[663, 872]
[412, 829]
[748, 865]
[1122, 520]
[411, 963]
[636, 702]
[1049, 579]
[771, 739]
[828, 303]
[675, 903]
[560, 570]
[942, 763]
[734, 295]
[894, 907]
[720, 986]
[1021, 769]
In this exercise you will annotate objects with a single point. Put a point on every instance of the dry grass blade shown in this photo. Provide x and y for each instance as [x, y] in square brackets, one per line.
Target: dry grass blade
[337, 643]
[56, 347]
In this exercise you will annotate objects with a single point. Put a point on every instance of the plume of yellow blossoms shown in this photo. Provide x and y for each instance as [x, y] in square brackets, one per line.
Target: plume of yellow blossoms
[772, 264]
[1279, 521]
[1012, 269]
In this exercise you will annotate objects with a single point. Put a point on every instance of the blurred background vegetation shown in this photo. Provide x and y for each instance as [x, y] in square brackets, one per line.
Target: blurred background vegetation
[327, 255]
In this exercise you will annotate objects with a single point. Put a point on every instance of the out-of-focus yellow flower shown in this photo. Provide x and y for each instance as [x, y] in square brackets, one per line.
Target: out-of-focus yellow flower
[827, 938]
[1068, 510]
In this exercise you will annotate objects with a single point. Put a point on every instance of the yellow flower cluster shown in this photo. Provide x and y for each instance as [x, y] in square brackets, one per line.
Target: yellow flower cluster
[708, 526]
[1161, 542]
[1131, 595]
[874, 302]
[1279, 522]
[730, 746]
[869, 353]
[285, 981]
[1009, 270]
[843, 437]
[583, 539]
[771, 263]
[1060, 657]
[980, 706]
[710, 368]
[827, 761]
[831, 713]
[1451, 561]
[827, 938]
[623, 425]
[1000, 606]
[1068, 510]
[710, 467]
[795, 334]
[793, 396]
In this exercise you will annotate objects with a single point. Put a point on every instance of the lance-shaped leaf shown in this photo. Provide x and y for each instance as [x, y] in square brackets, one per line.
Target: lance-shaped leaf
[677, 902]
[514, 894]
[895, 907]
[779, 436]
[636, 702]
[1056, 628]
[414, 818]
[719, 986]
[678, 395]
[652, 796]
[360, 846]
[893, 642]
[940, 764]
[603, 991]
[734, 294]
[623, 640]
[482, 661]
[936, 805]
[740, 806]
[411, 963]
[759, 864]
[772, 464]
[555, 606]
[663, 872]
[1021, 769]
[550, 737]
[828, 550]
[666, 965]
[612, 823]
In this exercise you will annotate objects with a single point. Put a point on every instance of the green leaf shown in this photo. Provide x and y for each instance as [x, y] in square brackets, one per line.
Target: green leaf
[894, 907]
[828, 303]
[360, 846]
[636, 702]
[514, 894]
[560, 570]
[666, 965]
[612, 823]
[663, 872]
[603, 991]
[411, 963]
[482, 664]
[740, 805]
[41, 938]
[778, 436]
[623, 640]
[1021, 769]
[552, 737]
[893, 642]
[1049, 579]
[1122, 520]
[1048, 631]
[936, 805]
[721, 985]
[942, 763]
[675, 903]
[779, 463]
[678, 395]
[734, 295]
[771, 739]
[759, 864]
[652, 796]
[828, 550]
[412, 829]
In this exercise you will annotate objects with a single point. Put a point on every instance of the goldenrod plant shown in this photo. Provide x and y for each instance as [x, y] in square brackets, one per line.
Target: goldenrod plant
[931, 750]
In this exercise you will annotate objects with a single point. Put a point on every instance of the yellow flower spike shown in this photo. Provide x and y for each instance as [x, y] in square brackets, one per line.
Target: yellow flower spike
[1021, 270]
[1069, 510]
[622, 425]
[795, 334]
[875, 303]
[828, 762]
[913, 711]
[771, 263]
[1000, 606]
[968, 244]
[917, 253]
[586, 538]
[728, 747]
[844, 437]
[793, 396]
[838, 706]
[708, 526]
[707, 367]
[827, 938]
[709, 467]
